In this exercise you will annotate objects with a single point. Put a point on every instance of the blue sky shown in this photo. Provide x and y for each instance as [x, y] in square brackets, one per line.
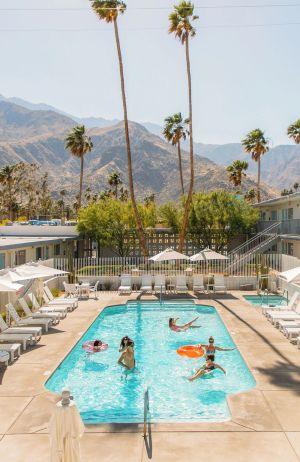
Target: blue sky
[243, 76]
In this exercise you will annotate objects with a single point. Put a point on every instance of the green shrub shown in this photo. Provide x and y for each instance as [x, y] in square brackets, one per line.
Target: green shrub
[55, 292]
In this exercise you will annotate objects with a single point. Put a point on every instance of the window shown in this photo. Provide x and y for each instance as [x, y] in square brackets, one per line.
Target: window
[57, 250]
[274, 215]
[20, 257]
[38, 253]
[2, 260]
[290, 214]
[263, 216]
[290, 248]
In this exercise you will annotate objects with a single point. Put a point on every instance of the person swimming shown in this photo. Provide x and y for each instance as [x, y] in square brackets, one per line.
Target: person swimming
[97, 345]
[209, 366]
[211, 348]
[127, 359]
[173, 326]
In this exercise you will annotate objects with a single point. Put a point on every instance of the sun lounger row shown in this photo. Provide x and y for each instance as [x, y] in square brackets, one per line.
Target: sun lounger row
[28, 330]
[286, 318]
[159, 284]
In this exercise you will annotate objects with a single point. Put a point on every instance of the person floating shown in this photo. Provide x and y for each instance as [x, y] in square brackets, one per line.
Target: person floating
[94, 346]
[208, 367]
[211, 348]
[173, 326]
[127, 358]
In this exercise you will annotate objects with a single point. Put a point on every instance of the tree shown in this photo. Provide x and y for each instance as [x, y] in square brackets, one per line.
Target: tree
[108, 11]
[257, 145]
[236, 172]
[296, 186]
[170, 215]
[286, 192]
[181, 25]
[174, 131]
[79, 144]
[114, 180]
[219, 216]
[7, 179]
[250, 195]
[293, 131]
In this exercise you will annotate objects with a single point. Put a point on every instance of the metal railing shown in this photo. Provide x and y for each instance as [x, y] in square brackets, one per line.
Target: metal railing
[146, 410]
[255, 241]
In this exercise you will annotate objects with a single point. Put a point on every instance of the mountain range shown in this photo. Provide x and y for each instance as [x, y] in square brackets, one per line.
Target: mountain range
[37, 136]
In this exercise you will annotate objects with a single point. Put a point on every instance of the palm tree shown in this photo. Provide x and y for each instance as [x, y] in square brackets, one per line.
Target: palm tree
[181, 25]
[250, 196]
[296, 186]
[257, 145]
[175, 130]
[293, 131]
[79, 144]
[236, 171]
[114, 180]
[7, 179]
[108, 11]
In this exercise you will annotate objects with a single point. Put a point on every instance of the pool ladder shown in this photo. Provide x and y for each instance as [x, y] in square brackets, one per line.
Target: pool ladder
[146, 410]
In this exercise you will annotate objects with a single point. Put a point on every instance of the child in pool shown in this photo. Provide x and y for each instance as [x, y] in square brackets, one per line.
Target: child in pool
[173, 326]
[209, 366]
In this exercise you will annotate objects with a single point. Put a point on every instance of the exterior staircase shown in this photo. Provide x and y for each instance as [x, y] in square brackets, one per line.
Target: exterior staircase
[256, 245]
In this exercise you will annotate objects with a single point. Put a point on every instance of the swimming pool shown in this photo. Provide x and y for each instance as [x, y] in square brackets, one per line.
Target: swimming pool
[104, 392]
[271, 300]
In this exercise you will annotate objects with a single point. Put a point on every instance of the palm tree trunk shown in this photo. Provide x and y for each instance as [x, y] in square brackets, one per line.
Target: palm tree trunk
[180, 168]
[258, 179]
[140, 230]
[116, 192]
[191, 187]
[81, 181]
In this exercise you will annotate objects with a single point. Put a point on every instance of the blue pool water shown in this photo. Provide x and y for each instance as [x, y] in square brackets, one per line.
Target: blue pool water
[105, 392]
[270, 300]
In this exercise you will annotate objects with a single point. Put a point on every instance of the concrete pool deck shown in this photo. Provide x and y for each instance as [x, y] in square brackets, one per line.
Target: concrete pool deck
[265, 423]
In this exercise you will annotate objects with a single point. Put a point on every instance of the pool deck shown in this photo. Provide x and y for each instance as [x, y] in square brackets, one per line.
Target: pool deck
[265, 424]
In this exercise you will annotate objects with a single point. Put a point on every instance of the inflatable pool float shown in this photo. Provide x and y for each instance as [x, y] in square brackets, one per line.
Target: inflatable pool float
[89, 347]
[190, 351]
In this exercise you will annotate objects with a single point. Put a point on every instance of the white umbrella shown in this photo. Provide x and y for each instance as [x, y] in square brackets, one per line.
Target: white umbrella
[33, 271]
[208, 255]
[65, 430]
[169, 254]
[292, 275]
[6, 285]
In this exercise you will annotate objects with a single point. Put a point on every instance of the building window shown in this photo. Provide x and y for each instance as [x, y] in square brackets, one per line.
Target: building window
[274, 215]
[290, 213]
[290, 248]
[2, 260]
[20, 257]
[263, 216]
[57, 250]
[38, 253]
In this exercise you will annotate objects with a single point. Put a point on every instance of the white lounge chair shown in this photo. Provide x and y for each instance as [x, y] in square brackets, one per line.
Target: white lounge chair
[15, 334]
[284, 324]
[289, 306]
[146, 283]
[290, 315]
[94, 289]
[55, 317]
[126, 284]
[34, 324]
[219, 284]
[48, 298]
[71, 291]
[160, 283]
[198, 283]
[62, 309]
[292, 333]
[180, 284]
[13, 349]
[4, 358]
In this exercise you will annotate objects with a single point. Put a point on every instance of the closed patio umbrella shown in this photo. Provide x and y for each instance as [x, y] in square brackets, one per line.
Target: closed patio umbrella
[167, 255]
[65, 430]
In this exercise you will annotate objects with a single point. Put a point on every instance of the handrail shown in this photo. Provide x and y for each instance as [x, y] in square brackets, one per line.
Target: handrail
[146, 409]
[254, 238]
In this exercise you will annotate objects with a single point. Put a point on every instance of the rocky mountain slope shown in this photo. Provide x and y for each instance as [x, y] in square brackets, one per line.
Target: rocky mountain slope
[38, 137]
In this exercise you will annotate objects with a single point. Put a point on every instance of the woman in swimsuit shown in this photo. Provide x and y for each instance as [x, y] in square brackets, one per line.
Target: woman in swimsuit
[211, 348]
[127, 358]
[209, 366]
[173, 326]
[97, 345]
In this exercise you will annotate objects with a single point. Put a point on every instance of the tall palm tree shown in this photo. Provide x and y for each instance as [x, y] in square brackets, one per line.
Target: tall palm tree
[293, 131]
[236, 172]
[79, 144]
[108, 11]
[114, 180]
[257, 145]
[181, 25]
[175, 130]
[7, 179]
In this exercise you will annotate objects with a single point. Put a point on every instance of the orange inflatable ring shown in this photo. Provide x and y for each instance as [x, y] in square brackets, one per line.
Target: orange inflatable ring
[190, 351]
